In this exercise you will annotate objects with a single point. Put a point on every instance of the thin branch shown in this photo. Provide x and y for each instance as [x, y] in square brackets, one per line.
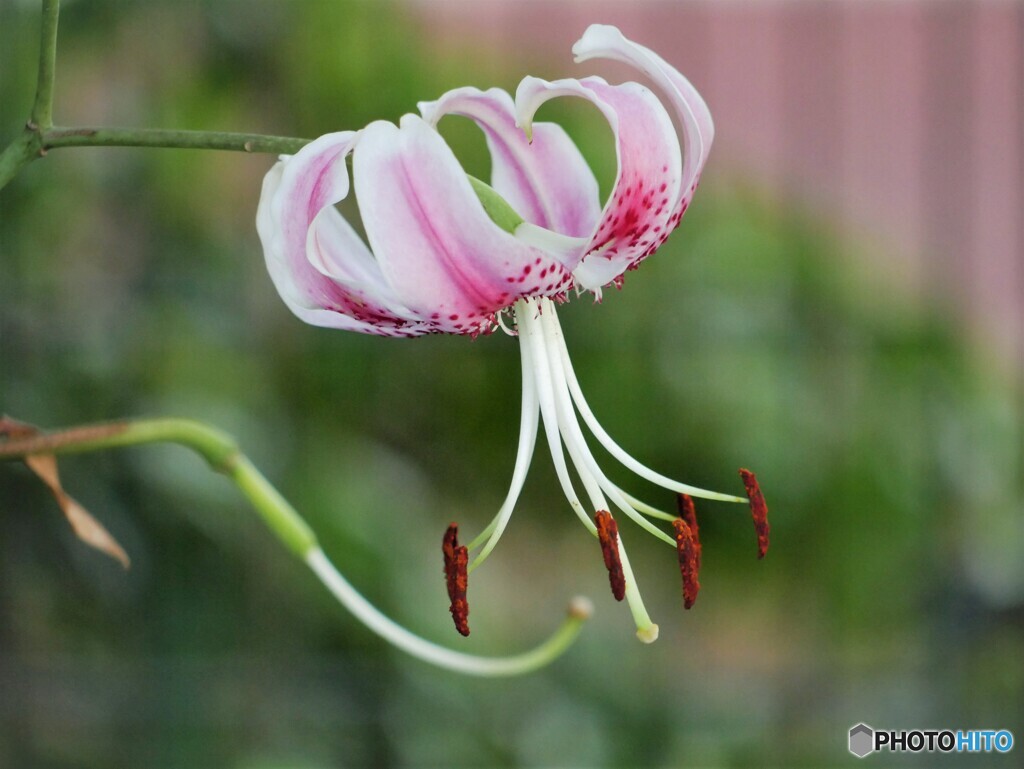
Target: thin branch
[18, 154]
[149, 137]
[218, 449]
[42, 109]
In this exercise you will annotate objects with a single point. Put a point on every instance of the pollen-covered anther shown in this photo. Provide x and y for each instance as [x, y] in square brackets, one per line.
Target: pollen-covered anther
[758, 509]
[456, 562]
[608, 535]
[689, 560]
[687, 511]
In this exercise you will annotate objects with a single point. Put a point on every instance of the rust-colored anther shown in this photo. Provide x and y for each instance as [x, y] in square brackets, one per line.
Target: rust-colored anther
[687, 511]
[758, 509]
[689, 560]
[608, 535]
[456, 562]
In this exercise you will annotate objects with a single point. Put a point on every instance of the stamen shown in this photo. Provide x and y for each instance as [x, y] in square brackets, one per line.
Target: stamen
[617, 451]
[689, 560]
[590, 473]
[758, 509]
[531, 335]
[608, 534]
[456, 559]
[688, 513]
[527, 442]
[642, 507]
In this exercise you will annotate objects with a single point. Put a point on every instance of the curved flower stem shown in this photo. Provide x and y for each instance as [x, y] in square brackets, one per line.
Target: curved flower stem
[223, 455]
[578, 612]
[217, 448]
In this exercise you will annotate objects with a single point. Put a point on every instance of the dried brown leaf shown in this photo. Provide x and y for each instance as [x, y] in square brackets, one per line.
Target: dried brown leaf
[85, 526]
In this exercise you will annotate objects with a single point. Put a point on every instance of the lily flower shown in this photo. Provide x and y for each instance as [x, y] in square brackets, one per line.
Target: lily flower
[446, 253]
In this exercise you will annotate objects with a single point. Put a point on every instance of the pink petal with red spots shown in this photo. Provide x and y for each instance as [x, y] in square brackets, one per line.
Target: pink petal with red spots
[437, 249]
[601, 41]
[297, 191]
[545, 180]
[638, 215]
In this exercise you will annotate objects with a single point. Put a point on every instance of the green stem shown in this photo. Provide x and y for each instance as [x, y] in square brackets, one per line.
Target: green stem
[217, 448]
[18, 154]
[81, 136]
[223, 455]
[42, 109]
[29, 145]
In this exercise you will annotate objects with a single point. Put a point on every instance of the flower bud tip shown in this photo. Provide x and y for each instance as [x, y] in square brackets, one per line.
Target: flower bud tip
[648, 634]
[581, 607]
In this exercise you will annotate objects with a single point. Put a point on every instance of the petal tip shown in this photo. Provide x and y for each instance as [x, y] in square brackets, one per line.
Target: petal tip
[428, 111]
[581, 608]
[595, 37]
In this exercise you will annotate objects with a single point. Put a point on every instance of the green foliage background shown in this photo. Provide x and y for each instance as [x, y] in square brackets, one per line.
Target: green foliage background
[132, 283]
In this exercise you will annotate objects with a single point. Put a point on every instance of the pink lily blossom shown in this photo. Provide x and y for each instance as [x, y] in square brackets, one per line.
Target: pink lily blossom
[445, 253]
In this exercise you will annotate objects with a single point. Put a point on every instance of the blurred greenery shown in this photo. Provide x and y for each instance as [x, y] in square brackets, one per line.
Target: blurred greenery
[132, 283]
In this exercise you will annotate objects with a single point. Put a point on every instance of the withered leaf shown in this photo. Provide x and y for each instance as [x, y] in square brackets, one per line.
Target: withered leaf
[85, 526]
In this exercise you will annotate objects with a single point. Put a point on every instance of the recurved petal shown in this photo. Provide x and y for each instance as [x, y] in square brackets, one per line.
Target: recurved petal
[607, 42]
[321, 269]
[638, 215]
[546, 180]
[436, 247]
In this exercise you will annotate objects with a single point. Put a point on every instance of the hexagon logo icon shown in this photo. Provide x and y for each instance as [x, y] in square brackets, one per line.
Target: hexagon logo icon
[862, 740]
